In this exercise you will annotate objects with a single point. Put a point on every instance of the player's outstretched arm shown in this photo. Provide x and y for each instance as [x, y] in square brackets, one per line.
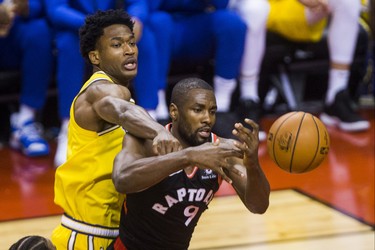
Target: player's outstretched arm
[136, 168]
[109, 103]
[253, 189]
[136, 121]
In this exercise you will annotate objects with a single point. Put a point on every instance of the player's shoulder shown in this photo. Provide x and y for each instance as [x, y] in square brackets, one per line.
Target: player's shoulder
[105, 87]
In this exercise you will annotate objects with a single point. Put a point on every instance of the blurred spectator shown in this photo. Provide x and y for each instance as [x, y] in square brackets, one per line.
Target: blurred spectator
[154, 53]
[255, 14]
[67, 16]
[371, 17]
[368, 22]
[26, 44]
[305, 20]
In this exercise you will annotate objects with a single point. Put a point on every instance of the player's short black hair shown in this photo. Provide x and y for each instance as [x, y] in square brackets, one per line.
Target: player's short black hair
[181, 89]
[94, 26]
[32, 242]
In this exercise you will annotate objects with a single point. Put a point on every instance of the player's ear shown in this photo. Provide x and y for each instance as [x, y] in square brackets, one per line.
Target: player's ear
[94, 57]
[173, 111]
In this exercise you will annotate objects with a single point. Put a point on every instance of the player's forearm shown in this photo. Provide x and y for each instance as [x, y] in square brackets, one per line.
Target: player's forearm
[257, 191]
[131, 117]
[132, 177]
[253, 189]
[139, 123]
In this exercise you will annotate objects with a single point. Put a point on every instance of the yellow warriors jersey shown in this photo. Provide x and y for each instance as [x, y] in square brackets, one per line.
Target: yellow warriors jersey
[288, 18]
[83, 184]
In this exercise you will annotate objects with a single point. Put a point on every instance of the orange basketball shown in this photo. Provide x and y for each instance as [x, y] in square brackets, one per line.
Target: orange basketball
[298, 142]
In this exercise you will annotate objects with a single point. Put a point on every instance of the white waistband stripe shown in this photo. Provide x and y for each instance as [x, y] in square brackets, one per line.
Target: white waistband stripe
[88, 229]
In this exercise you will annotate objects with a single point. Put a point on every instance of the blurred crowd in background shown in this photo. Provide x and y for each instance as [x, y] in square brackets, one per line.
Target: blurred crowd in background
[238, 46]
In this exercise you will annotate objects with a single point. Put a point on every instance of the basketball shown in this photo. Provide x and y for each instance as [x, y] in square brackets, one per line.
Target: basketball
[298, 142]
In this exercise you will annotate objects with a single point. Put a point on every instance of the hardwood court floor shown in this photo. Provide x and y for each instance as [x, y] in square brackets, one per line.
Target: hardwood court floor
[293, 221]
[331, 207]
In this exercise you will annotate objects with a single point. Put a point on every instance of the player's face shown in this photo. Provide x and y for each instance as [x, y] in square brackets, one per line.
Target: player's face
[197, 117]
[118, 53]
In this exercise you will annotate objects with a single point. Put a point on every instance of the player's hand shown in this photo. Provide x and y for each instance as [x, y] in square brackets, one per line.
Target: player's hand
[248, 141]
[165, 143]
[320, 6]
[215, 156]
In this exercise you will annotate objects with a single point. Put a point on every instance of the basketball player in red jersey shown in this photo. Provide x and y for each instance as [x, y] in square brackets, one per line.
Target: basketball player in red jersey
[176, 188]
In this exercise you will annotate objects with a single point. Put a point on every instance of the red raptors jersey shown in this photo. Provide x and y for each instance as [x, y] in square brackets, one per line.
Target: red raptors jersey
[165, 215]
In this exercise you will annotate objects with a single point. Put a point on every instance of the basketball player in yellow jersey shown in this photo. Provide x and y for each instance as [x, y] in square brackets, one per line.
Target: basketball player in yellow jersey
[305, 20]
[100, 114]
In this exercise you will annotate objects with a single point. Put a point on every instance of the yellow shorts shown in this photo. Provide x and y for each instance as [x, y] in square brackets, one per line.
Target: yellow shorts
[67, 239]
[288, 18]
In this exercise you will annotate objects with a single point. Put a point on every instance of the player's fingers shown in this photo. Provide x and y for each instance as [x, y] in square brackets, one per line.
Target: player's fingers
[254, 132]
[225, 177]
[155, 148]
[241, 146]
[244, 134]
[163, 148]
[166, 147]
[176, 146]
[247, 130]
[235, 171]
[254, 126]
[235, 153]
[241, 135]
[172, 146]
[159, 148]
[230, 151]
